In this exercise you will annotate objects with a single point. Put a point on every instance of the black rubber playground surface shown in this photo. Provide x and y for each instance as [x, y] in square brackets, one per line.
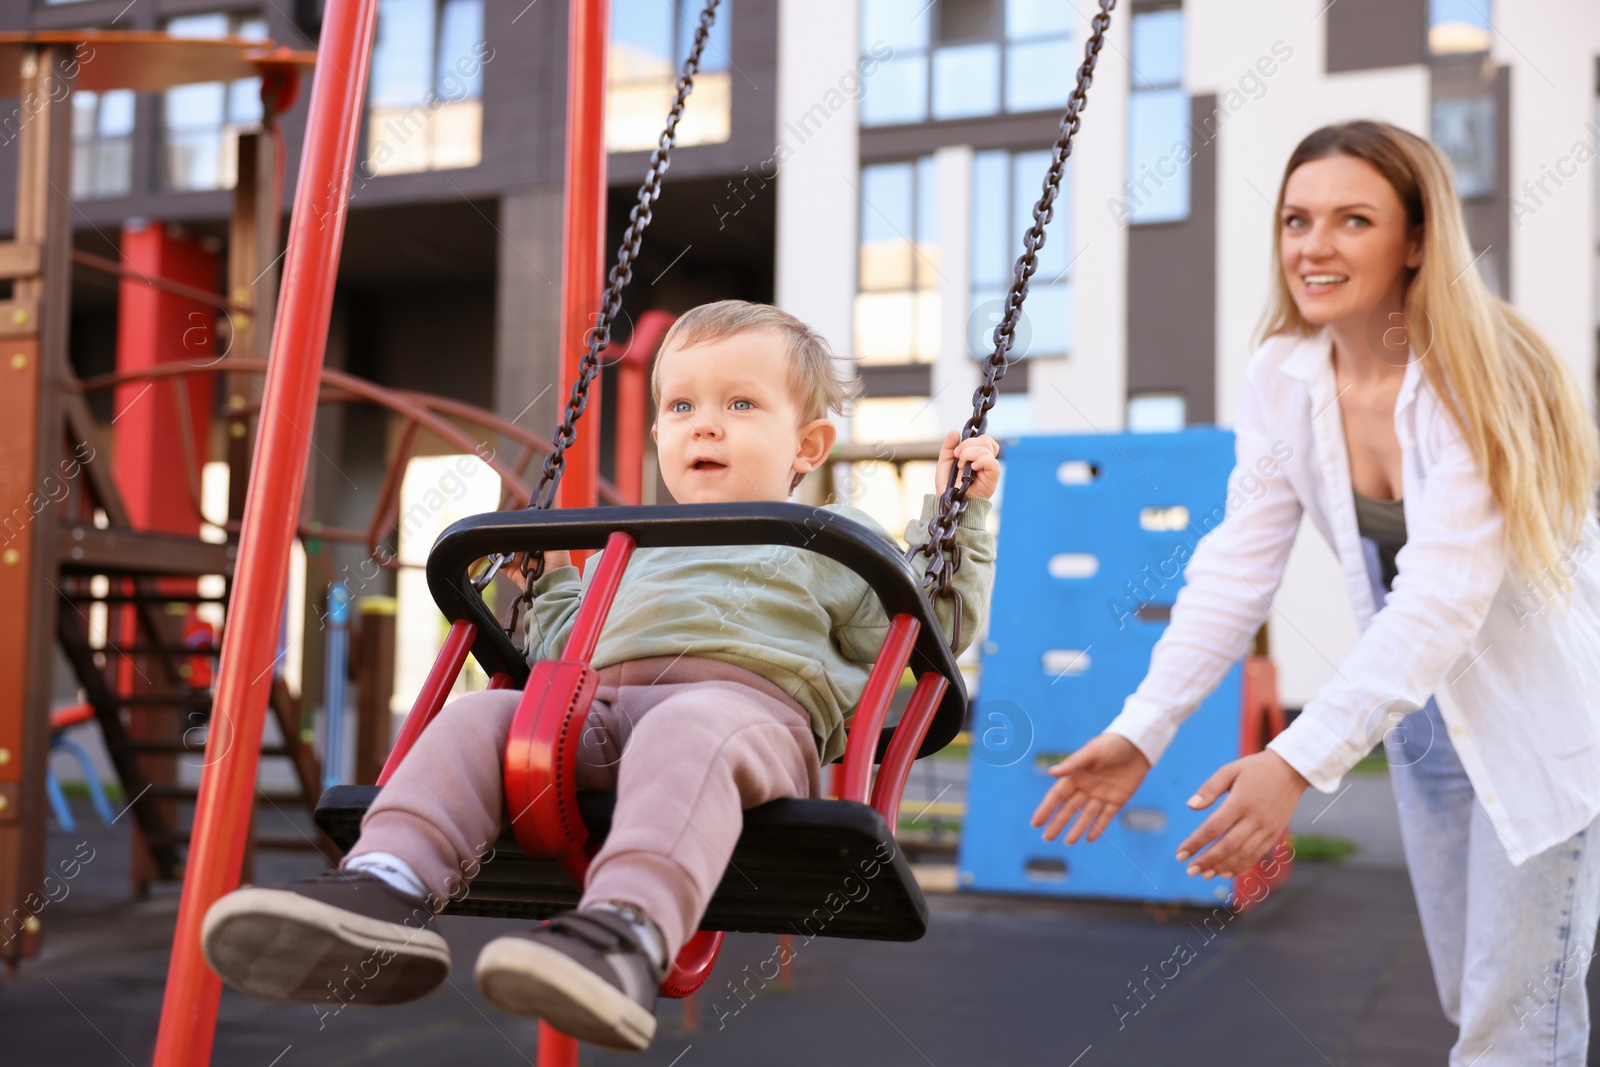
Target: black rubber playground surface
[1330, 969]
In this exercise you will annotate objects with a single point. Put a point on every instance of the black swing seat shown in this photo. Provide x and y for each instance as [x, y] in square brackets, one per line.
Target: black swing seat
[801, 866]
[807, 867]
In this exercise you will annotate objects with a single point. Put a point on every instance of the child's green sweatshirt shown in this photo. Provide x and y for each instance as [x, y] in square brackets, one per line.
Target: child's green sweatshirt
[795, 617]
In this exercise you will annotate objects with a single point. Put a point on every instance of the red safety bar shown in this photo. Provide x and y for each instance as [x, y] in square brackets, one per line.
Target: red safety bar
[541, 750]
[908, 735]
[856, 776]
[542, 754]
[272, 507]
[430, 698]
[596, 606]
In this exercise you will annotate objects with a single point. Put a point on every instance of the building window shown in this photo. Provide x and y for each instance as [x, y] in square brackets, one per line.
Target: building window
[1458, 26]
[201, 123]
[1005, 186]
[1156, 412]
[425, 109]
[957, 59]
[1041, 67]
[1463, 128]
[1159, 148]
[897, 280]
[966, 59]
[650, 39]
[102, 143]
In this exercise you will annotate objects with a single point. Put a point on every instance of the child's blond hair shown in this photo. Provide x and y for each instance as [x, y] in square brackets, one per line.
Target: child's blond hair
[816, 376]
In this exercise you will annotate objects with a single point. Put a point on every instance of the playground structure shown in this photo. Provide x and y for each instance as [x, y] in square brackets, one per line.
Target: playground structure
[271, 516]
[67, 523]
[139, 672]
[1098, 550]
[104, 558]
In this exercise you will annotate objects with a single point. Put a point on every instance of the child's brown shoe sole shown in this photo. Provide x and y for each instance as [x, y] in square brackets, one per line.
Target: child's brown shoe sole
[526, 977]
[276, 944]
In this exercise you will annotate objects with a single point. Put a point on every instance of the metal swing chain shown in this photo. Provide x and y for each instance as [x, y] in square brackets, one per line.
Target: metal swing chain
[944, 557]
[599, 335]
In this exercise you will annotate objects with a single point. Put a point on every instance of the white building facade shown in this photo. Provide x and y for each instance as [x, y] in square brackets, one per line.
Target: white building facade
[910, 155]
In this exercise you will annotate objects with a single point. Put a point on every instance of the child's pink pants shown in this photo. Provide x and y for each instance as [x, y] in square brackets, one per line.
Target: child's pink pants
[686, 743]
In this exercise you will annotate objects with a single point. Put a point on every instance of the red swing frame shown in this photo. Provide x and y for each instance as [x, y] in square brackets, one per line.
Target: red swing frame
[277, 480]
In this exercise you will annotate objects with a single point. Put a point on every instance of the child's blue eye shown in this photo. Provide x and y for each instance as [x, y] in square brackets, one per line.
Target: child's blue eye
[681, 407]
[748, 406]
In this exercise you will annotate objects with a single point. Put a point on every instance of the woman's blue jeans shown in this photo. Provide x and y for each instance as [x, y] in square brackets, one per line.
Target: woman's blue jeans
[1510, 944]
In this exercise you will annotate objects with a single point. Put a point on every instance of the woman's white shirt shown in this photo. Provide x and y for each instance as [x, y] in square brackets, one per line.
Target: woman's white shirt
[1515, 669]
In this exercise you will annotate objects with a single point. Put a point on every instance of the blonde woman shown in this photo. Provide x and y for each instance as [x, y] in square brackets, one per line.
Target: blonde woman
[1446, 454]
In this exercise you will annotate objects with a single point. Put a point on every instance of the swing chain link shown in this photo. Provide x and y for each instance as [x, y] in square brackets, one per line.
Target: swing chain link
[599, 336]
[531, 567]
[939, 546]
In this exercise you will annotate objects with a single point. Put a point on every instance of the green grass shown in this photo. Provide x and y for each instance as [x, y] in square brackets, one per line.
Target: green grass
[1322, 848]
[948, 827]
[1372, 763]
[79, 791]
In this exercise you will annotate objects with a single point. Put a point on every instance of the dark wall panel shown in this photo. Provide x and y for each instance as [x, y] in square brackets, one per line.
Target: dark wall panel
[1368, 34]
[525, 94]
[1172, 290]
[434, 341]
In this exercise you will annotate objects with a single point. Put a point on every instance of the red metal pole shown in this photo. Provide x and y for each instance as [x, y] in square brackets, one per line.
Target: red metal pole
[430, 698]
[582, 278]
[633, 400]
[583, 251]
[271, 511]
[555, 1048]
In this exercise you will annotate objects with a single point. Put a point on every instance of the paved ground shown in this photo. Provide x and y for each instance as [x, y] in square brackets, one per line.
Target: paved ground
[1330, 969]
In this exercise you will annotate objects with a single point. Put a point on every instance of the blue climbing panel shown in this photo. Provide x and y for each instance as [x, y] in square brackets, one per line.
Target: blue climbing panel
[1094, 535]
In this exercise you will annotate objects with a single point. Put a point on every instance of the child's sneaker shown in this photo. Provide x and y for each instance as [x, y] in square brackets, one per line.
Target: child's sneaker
[344, 936]
[586, 973]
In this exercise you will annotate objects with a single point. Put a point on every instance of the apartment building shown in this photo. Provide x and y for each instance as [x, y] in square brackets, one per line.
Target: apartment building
[1157, 265]
[870, 166]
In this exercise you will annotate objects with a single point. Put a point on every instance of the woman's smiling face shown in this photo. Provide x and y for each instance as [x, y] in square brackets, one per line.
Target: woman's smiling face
[1344, 242]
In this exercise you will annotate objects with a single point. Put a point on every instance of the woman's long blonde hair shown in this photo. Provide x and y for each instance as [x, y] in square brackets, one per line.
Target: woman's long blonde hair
[1518, 405]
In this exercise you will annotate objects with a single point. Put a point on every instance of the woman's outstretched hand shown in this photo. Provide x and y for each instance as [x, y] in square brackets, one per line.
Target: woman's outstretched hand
[1092, 783]
[1262, 793]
